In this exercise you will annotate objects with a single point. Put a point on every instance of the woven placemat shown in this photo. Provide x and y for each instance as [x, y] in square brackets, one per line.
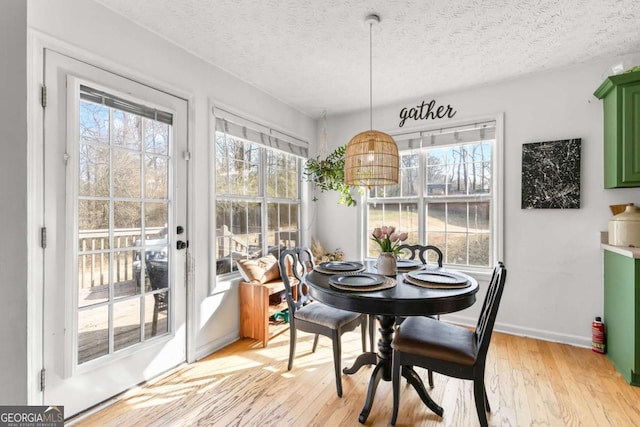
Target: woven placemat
[389, 282]
[332, 272]
[420, 283]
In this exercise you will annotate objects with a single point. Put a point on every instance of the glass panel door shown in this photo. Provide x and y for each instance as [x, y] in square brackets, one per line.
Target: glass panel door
[114, 196]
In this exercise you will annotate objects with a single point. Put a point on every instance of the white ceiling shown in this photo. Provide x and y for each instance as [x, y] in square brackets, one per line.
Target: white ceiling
[314, 54]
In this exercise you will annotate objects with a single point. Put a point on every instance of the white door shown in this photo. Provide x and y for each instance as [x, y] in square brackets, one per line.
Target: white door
[115, 211]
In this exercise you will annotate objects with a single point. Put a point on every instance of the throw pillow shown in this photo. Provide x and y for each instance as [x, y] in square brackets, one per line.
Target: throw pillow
[261, 270]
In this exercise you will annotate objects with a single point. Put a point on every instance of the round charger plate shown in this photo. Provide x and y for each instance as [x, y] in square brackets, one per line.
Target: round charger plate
[437, 277]
[388, 283]
[407, 264]
[338, 266]
[357, 280]
[422, 284]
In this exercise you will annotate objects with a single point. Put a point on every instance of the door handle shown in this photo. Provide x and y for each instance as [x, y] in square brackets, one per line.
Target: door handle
[182, 245]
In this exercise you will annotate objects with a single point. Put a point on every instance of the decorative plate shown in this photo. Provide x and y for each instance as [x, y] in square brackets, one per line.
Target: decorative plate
[408, 264]
[338, 266]
[422, 284]
[389, 282]
[437, 277]
[357, 280]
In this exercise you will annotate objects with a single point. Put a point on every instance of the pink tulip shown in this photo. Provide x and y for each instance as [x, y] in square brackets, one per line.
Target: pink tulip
[393, 237]
[377, 232]
[384, 230]
[391, 229]
[403, 237]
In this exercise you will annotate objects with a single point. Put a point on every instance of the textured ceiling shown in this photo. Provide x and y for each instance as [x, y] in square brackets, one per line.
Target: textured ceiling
[314, 55]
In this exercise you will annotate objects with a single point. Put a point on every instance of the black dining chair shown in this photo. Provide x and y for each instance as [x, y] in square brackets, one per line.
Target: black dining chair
[449, 349]
[312, 316]
[158, 273]
[421, 251]
[413, 251]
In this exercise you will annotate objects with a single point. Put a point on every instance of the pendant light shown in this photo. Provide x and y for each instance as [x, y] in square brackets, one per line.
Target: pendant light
[372, 157]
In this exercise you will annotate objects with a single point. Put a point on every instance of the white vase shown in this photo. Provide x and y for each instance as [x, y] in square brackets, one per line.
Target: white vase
[387, 264]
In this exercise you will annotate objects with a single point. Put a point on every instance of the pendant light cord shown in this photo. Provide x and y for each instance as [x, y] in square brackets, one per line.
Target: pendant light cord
[370, 75]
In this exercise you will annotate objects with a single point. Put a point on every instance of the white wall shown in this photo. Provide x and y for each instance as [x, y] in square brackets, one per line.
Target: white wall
[86, 29]
[13, 208]
[554, 286]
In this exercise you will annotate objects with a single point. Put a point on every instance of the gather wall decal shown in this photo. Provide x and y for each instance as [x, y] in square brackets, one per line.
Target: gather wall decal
[425, 111]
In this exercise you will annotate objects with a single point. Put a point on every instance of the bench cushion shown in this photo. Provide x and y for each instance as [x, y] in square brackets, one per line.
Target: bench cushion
[260, 270]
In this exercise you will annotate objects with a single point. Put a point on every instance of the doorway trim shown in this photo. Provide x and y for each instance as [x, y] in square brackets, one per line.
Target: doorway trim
[37, 42]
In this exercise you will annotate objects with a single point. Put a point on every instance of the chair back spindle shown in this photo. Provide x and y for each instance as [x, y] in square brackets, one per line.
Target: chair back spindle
[295, 264]
[490, 306]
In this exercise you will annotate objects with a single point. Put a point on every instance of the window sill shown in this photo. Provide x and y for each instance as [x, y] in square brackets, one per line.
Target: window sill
[225, 282]
[481, 274]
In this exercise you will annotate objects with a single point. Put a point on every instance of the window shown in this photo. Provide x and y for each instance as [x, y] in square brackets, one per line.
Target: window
[448, 194]
[257, 194]
[123, 210]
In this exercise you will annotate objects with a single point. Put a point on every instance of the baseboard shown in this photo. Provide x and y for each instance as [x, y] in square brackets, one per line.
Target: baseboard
[215, 345]
[540, 334]
[506, 328]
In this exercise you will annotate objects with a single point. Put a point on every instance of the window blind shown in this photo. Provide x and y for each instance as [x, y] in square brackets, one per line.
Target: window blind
[481, 131]
[267, 137]
[103, 98]
[460, 134]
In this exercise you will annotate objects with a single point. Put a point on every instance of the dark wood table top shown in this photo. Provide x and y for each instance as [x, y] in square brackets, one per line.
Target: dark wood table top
[404, 299]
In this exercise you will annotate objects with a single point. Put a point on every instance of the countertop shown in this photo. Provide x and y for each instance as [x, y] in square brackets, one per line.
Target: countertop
[630, 252]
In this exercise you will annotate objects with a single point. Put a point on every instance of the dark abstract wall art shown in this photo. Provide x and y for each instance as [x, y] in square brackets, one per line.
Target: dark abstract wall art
[551, 174]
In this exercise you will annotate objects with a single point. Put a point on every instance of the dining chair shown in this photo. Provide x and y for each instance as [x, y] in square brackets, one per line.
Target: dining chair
[421, 251]
[157, 271]
[449, 349]
[311, 316]
[413, 250]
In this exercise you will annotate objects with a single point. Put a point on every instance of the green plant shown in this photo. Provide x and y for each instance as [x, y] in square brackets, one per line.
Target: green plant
[328, 175]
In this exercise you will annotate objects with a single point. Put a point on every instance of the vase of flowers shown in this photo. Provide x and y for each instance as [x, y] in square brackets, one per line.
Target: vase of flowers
[388, 241]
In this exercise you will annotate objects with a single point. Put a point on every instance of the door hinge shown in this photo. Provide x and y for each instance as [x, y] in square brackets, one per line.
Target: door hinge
[43, 237]
[187, 155]
[42, 379]
[43, 96]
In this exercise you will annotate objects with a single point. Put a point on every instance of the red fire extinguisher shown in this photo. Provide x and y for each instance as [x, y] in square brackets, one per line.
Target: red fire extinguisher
[598, 339]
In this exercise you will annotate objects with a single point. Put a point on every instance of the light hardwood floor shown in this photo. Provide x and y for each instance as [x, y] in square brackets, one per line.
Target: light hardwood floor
[529, 383]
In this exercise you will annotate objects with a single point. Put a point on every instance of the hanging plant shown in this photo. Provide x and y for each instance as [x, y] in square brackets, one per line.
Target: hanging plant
[328, 175]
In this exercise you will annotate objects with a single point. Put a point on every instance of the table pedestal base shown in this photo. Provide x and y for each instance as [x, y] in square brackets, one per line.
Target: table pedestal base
[382, 371]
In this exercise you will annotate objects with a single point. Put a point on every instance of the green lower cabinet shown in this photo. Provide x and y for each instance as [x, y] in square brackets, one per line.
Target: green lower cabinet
[622, 314]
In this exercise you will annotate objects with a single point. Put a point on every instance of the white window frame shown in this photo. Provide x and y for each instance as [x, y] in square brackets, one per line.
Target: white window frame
[497, 197]
[279, 142]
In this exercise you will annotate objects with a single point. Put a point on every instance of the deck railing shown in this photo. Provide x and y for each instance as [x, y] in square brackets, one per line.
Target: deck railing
[94, 252]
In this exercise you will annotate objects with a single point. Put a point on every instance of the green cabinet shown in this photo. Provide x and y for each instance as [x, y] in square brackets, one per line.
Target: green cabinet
[621, 97]
[622, 313]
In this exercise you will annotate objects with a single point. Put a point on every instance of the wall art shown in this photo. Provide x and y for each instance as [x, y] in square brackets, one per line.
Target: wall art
[419, 112]
[551, 174]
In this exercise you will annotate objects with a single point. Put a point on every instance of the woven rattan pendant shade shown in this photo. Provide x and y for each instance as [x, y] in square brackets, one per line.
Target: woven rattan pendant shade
[371, 160]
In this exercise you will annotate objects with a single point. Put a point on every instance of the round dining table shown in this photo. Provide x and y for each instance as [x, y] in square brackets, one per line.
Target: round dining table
[402, 300]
